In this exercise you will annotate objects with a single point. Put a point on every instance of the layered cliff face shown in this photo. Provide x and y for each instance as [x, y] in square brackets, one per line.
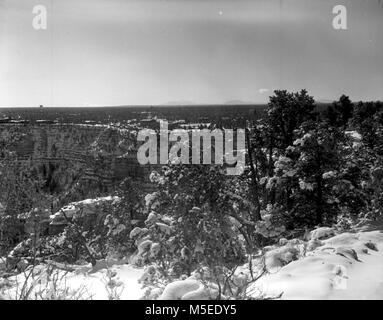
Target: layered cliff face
[76, 161]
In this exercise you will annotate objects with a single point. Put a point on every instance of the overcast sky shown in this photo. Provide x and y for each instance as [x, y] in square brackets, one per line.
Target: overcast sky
[120, 52]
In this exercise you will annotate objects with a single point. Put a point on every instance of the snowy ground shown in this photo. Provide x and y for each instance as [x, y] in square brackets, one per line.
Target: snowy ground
[332, 271]
[90, 285]
[337, 266]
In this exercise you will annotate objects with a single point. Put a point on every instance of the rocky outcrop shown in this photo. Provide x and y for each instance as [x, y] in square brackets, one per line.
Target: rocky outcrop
[88, 211]
[87, 158]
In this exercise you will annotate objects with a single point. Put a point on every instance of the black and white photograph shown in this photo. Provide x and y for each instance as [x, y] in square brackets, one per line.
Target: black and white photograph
[158, 150]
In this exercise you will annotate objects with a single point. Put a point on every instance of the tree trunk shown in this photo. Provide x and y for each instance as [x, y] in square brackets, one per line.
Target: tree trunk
[319, 201]
[254, 179]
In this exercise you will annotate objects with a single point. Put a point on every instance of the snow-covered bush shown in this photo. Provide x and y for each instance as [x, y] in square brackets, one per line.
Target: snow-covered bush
[180, 236]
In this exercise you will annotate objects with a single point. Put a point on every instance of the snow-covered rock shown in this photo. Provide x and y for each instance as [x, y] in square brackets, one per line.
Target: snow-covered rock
[340, 268]
[322, 233]
[348, 253]
[185, 290]
[313, 244]
[280, 257]
[371, 245]
[85, 208]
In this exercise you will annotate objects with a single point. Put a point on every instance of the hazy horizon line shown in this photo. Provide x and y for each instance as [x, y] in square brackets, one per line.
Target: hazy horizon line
[245, 104]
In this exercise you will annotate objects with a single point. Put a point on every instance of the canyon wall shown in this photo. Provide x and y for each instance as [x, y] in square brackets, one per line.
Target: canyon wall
[85, 160]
